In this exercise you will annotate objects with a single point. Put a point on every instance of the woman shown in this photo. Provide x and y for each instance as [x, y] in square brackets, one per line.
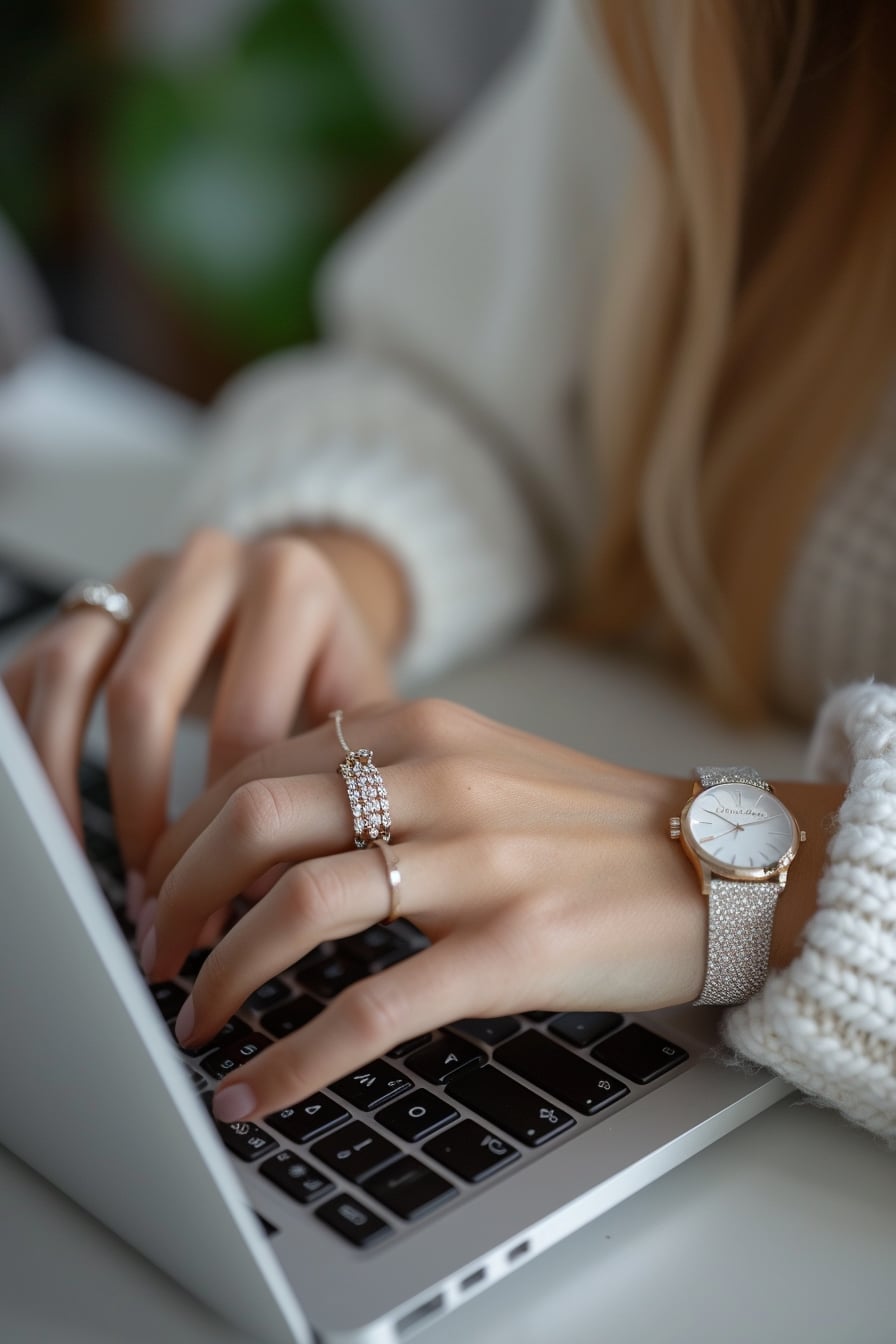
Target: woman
[430, 481]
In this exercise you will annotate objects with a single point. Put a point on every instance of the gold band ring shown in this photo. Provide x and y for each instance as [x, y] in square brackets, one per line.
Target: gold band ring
[394, 874]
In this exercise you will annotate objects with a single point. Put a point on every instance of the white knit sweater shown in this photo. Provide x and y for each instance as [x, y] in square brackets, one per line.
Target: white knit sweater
[442, 420]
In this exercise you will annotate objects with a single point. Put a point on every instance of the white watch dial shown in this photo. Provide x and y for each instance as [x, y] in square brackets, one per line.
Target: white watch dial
[740, 826]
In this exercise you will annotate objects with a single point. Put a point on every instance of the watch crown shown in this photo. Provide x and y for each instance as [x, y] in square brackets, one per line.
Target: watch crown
[675, 828]
[802, 837]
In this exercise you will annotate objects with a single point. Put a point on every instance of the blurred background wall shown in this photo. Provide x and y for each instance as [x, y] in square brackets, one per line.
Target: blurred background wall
[177, 167]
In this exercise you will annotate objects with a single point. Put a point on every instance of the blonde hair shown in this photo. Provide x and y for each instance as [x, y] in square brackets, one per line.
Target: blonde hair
[751, 322]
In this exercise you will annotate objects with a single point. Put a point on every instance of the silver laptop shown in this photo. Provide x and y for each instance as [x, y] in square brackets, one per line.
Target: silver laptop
[369, 1210]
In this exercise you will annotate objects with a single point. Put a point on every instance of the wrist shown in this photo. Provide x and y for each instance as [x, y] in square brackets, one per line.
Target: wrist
[815, 806]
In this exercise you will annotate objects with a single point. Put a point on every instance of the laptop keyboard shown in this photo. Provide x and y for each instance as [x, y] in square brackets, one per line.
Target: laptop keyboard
[439, 1117]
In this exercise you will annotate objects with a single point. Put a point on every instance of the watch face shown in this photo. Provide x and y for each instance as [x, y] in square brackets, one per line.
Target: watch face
[739, 826]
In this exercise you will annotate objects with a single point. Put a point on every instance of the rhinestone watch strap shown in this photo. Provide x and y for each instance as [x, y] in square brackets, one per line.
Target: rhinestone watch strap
[741, 915]
[729, 774]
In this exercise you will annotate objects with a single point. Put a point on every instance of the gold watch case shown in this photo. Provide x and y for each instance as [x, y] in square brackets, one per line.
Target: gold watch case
[708, 866]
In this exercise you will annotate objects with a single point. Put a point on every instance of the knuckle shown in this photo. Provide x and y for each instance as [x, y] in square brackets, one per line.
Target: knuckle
[203, 540]
[255, 810]
[502, 861]
[279, 556]
[519, 930]
[433, 723]
[290, 569]
[315, 893]
[375, 1013]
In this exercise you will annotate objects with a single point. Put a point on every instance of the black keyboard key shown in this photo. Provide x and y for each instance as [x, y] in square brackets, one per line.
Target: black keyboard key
[269, 995]
[405, 1047]
[295, 1177]
[230, 1033]
[245, 1140]
[539, 1016]
[417, 1115]
[488, 1030]
[93, 784]
[410, 1188]
[356, 1151]
[222, 1062]
[103, 851]
[308, 1119]
[471, 1151]
[556, 1070]
[439, 1061]
[290, 1016]
[638, 1054]
[332, 976]
[584, 1028]
[313, 958]
[353, 1220]
[376, 948]
[371, 1084]
[509, 1105]
[169, 997]
[194, 962]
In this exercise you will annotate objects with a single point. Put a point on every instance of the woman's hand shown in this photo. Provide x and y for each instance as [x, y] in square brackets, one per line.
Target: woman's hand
[543, 878]
[273, 615]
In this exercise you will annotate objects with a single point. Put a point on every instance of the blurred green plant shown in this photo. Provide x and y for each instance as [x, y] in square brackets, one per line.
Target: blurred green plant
[222, 176]
[229, 178]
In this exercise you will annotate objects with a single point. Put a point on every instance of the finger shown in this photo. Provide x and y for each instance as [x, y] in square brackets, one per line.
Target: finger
[65, 680]
[350, 672]
[152, 681]
[16, 679]
[438, 985]
[283, 614]
[57, 678]
[391, 732]
[312, 903]
[262, 885]
[264, 822]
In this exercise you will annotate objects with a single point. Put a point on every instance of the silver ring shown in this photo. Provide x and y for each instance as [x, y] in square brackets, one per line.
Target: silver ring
[100, 595]
[394, 873]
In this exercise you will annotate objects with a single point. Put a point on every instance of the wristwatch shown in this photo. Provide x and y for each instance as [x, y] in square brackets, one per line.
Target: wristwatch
[742, 840]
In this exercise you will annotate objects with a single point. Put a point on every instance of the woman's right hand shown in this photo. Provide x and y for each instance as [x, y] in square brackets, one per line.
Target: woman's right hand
[273, 616]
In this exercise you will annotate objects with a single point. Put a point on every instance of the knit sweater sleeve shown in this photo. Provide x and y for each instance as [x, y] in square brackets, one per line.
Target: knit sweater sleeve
[439, 416]
[828, 1021]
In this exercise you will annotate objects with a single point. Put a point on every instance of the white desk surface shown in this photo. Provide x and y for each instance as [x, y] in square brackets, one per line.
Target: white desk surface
[783, 1231]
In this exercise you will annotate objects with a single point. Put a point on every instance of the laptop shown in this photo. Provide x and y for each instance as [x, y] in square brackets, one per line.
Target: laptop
[373, 1208]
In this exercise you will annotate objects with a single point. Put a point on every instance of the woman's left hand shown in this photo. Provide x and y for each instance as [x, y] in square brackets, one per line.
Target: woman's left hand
[544, 879]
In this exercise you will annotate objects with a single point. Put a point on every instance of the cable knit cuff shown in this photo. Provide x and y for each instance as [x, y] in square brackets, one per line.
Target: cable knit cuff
[335, 438]
[828, 1022]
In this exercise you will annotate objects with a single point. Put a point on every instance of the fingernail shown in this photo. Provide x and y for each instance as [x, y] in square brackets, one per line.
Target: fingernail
[134, 891]
[234, 1103]
[186, 1021]
[145, 922]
